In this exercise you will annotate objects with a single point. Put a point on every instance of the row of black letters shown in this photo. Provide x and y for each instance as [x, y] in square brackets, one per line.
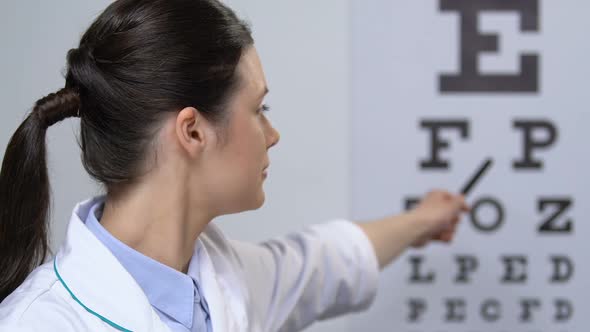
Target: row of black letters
[554, 211]
[490, 310]
[514, 269]
[537, 135]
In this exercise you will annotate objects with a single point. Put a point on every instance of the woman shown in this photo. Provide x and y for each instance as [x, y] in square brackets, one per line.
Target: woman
[170, 98]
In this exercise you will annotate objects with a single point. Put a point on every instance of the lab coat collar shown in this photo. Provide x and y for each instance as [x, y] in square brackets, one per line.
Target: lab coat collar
[98, 281]
[224, 292]
[170, 291]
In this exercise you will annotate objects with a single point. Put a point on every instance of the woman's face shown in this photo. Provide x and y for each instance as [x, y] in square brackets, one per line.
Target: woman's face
[236, 166]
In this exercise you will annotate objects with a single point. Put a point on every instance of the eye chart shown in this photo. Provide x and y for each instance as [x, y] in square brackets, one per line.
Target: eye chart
[442, 89]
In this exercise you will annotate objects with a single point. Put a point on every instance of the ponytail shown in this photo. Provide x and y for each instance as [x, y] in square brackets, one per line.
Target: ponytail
[25, 191]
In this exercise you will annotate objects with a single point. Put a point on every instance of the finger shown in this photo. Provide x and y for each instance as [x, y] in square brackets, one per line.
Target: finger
[440, 236]
[443, 237]
[459, 201]
[448, 227]
[420, 244]
[448, 235]
[464, 206]
[447, 195]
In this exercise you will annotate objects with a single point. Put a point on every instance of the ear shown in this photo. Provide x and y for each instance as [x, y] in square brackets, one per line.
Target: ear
[191, 130]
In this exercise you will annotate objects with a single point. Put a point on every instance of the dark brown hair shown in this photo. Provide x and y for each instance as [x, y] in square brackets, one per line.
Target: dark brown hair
[137, 61]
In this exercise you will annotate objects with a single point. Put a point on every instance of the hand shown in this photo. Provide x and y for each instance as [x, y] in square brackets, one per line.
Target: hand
[438, 214]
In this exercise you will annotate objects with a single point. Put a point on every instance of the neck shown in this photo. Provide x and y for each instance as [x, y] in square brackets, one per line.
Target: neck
[158, 220]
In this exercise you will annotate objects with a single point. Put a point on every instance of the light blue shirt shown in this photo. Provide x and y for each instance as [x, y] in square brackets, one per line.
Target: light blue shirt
[175, 296]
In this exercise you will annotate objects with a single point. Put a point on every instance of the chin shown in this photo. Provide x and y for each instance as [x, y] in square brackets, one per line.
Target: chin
[261, 200]
[255, 202]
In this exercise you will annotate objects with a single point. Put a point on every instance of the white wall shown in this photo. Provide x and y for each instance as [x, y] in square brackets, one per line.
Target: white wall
[399, 50]
[304, 46]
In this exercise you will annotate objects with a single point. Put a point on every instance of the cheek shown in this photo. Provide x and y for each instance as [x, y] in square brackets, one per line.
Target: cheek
[245, 158]
[252, 142]
[239, 174]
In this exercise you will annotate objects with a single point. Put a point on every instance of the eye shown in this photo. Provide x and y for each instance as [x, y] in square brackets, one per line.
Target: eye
[264, 108]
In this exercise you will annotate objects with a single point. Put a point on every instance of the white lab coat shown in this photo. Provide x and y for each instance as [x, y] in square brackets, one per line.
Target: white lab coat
[281, 285]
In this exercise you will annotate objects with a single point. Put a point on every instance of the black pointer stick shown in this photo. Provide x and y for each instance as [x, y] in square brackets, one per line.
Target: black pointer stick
[447, 234]
[467, 188]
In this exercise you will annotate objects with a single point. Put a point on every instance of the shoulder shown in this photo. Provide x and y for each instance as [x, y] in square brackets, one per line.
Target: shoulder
[39, 303]
[228, 254]
[38, 284]
[216, 243]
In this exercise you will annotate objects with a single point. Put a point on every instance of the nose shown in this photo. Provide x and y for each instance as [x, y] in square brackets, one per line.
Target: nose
[275, 136]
